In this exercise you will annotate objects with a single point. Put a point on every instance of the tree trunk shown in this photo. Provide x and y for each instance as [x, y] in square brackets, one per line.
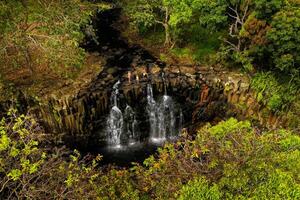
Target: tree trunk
[167, 27]
[167, 35]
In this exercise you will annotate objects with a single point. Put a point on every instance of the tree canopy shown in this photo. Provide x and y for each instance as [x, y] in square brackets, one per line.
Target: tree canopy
[174, 15]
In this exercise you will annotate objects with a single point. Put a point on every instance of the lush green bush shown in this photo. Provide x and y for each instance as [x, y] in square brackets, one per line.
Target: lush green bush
[284, 41]
[28, 171]
[276, 94]
[199, 189]
[229, 161]
[117, 184]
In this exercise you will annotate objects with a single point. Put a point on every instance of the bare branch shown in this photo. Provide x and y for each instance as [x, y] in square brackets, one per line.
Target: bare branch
[160, 22]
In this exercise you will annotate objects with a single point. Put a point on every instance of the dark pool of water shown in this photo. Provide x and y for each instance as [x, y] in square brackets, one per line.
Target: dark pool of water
[124, 156]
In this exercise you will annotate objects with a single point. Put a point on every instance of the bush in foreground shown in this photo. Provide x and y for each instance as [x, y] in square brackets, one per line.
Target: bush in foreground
[231, 160]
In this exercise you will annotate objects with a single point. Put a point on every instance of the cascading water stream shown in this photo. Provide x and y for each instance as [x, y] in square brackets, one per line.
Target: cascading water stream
[152, 113]
[166, 118]
[120, 126]
[115, 93]
[115, 120]
[161, 117]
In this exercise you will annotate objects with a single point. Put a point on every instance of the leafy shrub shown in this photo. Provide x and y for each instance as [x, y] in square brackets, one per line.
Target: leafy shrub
[277, 95]
[28, 171]
[20, 156]
[116, 184]
[199, 189]
[284, 40]
[231, 160]
[278, 185]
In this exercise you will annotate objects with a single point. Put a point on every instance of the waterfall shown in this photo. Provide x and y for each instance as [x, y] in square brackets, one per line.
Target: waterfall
[166, 118]
[115, 93]
[115, 126]
[120, 125]
[115, 119]
[161, 117]
[152, 112]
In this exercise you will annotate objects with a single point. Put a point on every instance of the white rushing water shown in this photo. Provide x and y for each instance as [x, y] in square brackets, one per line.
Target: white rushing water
[115, 120]
[161, 117]
[152, 113]
[120, 125]
[115, 126]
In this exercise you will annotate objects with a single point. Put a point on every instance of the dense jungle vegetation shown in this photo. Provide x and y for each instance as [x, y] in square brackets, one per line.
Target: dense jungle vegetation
[40, 46]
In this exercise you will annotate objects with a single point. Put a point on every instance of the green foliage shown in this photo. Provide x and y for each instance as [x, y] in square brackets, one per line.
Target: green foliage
[18, 146]
[267, 38]
[293, 120]
[210, 13]
[231, 160]
[43, 35]
[266, 8]
[279, 185]
[203, 42]
[27, 171]
[199, 189]
[231, 125]
[19, 155]
[249, 162]
[284, 40]
[145, 14]
[273, 93]
[116, 184]
[153, 37]
[175, 15]
[227, 161]
[181, 52]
